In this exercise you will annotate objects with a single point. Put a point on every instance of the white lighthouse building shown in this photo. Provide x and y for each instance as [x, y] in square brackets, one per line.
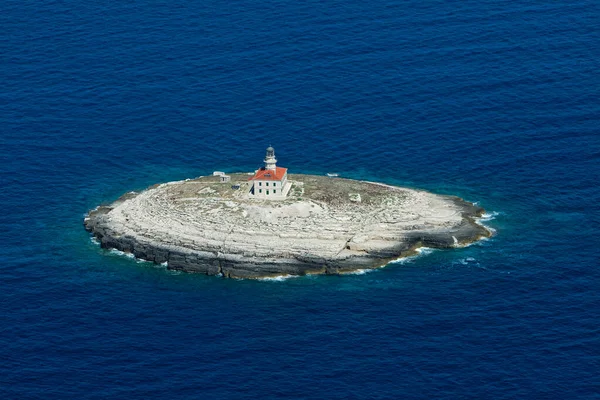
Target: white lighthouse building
[270, 181]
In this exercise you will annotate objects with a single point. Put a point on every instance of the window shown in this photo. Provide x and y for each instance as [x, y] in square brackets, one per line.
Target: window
[274, 184]
[259, 183]
[259, 190]
[267, 183]
[274, 191]
[267, 192]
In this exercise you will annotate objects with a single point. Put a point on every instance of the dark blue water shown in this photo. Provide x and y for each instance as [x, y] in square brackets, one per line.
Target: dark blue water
[495, 101]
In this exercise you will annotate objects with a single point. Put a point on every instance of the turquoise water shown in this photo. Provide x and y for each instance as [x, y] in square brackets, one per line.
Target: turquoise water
[496, 102]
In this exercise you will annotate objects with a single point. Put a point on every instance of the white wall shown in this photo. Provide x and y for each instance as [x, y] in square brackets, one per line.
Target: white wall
[260, 188]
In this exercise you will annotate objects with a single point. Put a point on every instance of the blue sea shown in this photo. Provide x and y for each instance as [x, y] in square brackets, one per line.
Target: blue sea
[494, 101]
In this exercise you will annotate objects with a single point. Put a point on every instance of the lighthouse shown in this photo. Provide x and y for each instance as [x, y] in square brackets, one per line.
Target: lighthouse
[270, 182]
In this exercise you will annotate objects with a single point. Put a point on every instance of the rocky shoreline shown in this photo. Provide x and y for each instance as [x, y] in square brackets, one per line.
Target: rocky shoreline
[325, 226]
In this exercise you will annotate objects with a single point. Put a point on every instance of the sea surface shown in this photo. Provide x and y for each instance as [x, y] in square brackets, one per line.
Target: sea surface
[494, 101]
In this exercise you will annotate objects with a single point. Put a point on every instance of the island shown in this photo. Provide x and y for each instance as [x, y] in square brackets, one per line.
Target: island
[266, 223]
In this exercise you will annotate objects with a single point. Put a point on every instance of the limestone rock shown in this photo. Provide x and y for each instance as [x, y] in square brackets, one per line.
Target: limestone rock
[206, 227]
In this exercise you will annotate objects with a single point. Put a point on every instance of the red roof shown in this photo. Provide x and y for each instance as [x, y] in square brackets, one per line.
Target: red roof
[270, 175]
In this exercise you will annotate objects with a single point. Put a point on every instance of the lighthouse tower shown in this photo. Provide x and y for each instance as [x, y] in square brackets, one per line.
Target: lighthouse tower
[270, 160]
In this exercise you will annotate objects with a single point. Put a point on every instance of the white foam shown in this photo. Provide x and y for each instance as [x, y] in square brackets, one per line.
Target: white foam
[464, 245]
[94, 240]
[164, 264]
[279, 278]
[484, 240]
[360, 271]
[488, 216]
[402, 260]
[421, 251]
[121, 253]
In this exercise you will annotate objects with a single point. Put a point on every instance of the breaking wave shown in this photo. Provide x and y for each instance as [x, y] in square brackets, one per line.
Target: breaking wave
[121, 253]
[421, 251]
[279, 278]
[489, 216]
[359, 271]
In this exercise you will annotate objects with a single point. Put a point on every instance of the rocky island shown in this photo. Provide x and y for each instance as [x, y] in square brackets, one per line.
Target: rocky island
[267, 224]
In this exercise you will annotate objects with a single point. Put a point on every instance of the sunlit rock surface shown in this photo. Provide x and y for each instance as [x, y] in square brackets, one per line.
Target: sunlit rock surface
[325, 225]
